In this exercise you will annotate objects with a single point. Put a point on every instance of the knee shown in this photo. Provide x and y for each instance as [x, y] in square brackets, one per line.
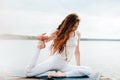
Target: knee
[87, 70]
[27, 69]
[28, 72]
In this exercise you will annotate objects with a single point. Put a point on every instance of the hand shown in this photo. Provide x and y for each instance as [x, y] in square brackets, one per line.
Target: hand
[42, 37]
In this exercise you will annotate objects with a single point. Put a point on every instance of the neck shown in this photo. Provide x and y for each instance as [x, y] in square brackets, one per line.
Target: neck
[72, 34]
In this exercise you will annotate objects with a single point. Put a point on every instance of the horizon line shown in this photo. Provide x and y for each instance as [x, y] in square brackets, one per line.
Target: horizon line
[30, 37]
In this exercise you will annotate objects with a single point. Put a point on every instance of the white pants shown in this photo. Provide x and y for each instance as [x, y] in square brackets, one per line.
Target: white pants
[55, 62]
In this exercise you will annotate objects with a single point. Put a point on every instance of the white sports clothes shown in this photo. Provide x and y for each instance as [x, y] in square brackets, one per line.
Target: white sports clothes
[70, 48]
[58, 62]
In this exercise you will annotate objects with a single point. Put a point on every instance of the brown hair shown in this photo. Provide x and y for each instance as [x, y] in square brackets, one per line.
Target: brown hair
[63, 33]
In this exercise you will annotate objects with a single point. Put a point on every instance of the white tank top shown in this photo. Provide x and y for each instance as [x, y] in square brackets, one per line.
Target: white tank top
[69, 50]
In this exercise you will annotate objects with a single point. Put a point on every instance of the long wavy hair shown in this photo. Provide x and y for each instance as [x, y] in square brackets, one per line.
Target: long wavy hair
[63, 33]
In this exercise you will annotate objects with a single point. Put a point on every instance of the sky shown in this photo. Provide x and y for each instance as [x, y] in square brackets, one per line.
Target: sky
[99, 18]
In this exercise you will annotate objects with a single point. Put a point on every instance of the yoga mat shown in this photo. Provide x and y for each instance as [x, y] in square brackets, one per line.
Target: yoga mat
[93, 76]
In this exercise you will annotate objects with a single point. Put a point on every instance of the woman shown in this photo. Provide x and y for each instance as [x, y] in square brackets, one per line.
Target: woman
[65, 44]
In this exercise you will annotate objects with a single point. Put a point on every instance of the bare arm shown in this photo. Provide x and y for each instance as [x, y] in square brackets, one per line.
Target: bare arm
[47, 38]
[43, 38]
[51, 36]
[77, 51]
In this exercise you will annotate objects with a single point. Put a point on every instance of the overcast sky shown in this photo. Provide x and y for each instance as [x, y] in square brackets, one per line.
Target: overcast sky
[99, 18]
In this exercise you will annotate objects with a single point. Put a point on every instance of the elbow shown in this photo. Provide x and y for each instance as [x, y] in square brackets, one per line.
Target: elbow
[77, 52]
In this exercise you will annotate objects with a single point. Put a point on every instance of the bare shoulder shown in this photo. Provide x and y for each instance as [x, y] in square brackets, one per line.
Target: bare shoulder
[78, 34]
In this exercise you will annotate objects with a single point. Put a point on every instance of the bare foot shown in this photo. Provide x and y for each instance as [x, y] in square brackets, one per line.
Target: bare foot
[41, 45]
[57, 74]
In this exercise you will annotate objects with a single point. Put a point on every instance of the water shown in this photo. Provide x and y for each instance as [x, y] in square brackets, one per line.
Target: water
[101, 56]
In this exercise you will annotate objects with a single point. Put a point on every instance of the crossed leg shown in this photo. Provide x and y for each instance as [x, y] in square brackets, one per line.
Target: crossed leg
[56, 62]
[72, 71]
[67, 70]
